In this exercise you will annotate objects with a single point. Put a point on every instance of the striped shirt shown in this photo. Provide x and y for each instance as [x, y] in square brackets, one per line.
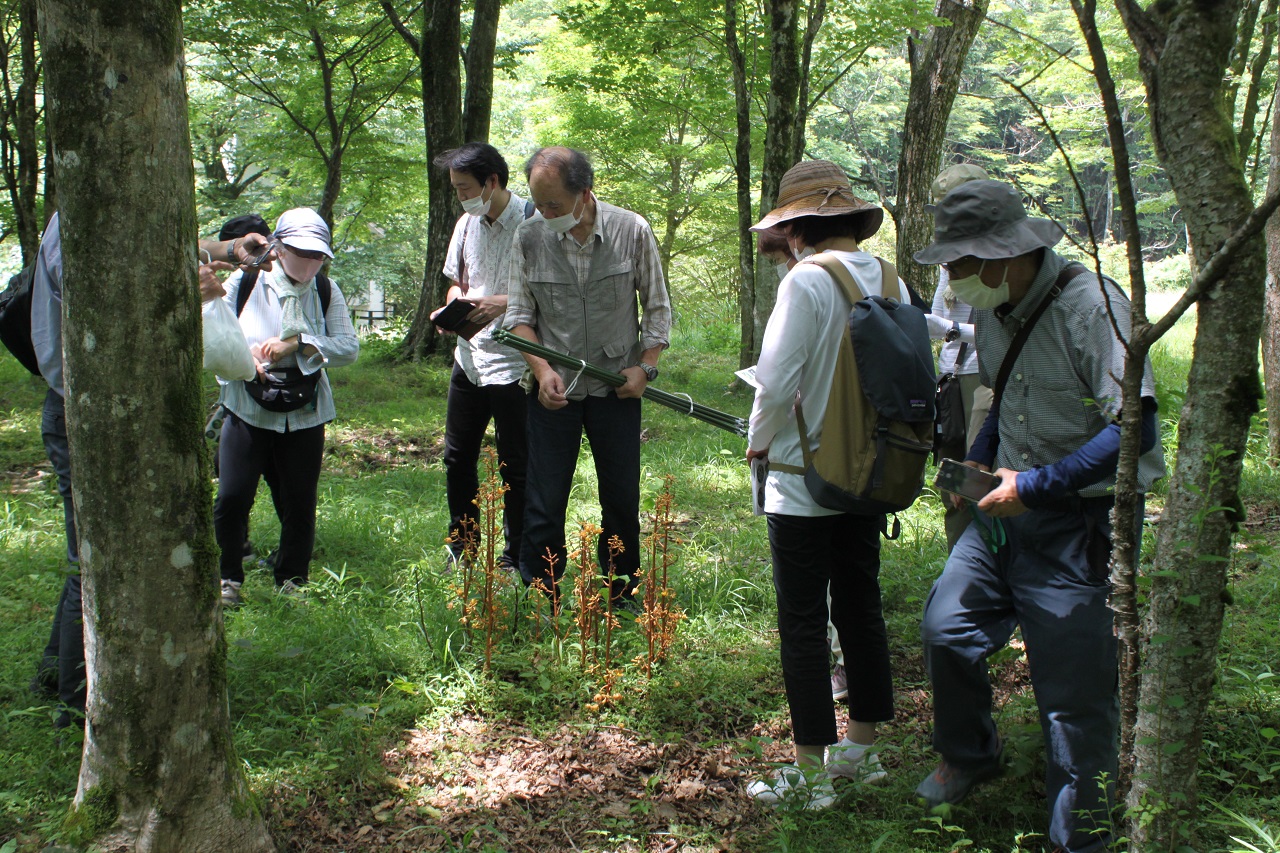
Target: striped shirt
[580, 298]
[1064, 387]
[488, 256]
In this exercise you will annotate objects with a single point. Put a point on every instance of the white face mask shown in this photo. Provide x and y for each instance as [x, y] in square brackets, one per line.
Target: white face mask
[563, 224]
[971, 291]
[301, 270]
[782, 271]
[478, 205]
[801, 254]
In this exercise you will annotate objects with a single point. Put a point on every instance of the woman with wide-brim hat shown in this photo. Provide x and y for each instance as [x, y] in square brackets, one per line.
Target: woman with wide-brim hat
[814, 548]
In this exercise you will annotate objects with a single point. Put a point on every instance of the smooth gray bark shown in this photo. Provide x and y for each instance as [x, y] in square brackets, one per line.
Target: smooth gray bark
[159, 773]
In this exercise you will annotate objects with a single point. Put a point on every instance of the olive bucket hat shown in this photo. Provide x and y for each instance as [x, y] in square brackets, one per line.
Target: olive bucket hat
[950, 178]
[985, 219]
[820, 188]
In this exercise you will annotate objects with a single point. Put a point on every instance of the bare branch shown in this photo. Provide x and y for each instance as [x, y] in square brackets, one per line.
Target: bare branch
[405, 33]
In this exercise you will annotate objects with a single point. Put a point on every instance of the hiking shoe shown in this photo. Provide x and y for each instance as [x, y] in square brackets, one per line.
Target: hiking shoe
[839, 683]
[290, 587]
[231, 593]
[44, 684]
[855, 761]
[949, 784]
[792, 787]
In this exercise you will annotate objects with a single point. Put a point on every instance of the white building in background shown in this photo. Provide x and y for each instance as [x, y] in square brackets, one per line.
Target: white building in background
[370, 309]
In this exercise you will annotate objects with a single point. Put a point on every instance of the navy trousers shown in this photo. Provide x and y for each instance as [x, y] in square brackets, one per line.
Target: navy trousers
[244, 452]
[471, 407]
[61, 667]
[612, 426]
[1050, 579]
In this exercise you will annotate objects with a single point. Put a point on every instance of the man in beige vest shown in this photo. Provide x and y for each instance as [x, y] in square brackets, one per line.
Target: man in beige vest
[576, 273]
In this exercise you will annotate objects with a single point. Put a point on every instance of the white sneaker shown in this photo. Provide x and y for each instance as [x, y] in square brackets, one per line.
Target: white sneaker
[855, 761]
[231, 594]
[795, 788]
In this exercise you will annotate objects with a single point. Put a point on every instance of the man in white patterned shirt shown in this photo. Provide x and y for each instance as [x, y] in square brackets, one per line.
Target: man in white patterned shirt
[486, 375]
[576, 273]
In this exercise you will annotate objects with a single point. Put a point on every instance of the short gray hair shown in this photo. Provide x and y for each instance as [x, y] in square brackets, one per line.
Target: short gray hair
[570, 164]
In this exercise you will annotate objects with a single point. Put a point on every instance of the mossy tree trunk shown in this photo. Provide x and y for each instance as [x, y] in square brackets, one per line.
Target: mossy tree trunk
[1271, 320]
[937, 57]
[747, 347]
[781, 113]
[159, 772]
[1183, 48]
[438, 50]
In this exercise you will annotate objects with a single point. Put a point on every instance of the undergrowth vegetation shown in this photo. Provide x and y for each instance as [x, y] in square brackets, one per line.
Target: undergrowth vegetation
[324, 688]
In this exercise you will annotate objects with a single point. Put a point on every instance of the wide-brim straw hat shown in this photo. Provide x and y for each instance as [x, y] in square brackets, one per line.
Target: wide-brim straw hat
[985, 219]
[821, 188]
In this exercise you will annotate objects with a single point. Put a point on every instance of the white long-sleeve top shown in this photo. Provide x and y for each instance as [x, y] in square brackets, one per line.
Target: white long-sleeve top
[798, 356]
[948, 309]
[332, 335]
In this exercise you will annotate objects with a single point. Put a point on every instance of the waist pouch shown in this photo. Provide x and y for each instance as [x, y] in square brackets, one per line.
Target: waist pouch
[285, 389]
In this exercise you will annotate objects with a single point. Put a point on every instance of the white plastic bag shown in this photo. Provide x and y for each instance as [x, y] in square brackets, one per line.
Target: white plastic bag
[226, 352]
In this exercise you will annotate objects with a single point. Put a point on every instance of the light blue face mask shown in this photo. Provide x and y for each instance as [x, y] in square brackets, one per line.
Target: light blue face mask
[972, 291]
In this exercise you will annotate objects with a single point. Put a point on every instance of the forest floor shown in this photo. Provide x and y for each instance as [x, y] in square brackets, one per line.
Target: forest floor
[369, 718]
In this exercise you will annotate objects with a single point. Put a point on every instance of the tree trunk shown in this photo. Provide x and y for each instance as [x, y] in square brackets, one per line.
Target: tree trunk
[1183, 49]
[742, 181]
[1258, 71]
[332, 187]
[30, 227]
[779, 138]
[937, 57]
[481, 47]
[442, 118]
[817, 13]
[1271, 319]
[671, 221]
[1126, 521]
[159, 772]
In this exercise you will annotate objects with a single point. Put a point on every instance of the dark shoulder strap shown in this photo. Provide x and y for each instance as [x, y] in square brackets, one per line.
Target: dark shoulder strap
[247, 280]
[1069, 272]
[324, 287]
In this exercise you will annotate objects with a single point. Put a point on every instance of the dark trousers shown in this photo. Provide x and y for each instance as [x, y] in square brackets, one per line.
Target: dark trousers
[612, 426]
[1050, 578]
[61, 667]
[841, 552]
[471, 407]
[244, 452]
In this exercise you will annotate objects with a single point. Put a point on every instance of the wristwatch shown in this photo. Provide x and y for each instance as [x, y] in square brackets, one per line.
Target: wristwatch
[953, 334]
[650, 372]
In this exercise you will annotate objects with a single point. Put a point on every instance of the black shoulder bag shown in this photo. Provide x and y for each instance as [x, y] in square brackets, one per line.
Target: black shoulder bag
[284, 389]
[951, 430]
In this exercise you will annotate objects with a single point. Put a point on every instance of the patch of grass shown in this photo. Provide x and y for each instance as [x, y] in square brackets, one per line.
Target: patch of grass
[323, 691]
